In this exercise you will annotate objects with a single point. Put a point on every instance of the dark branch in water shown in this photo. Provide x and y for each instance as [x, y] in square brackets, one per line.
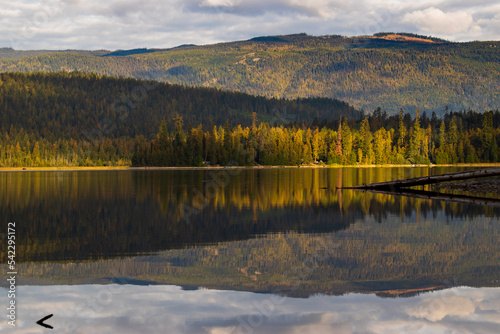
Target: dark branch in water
[422, 194]
[420, 181]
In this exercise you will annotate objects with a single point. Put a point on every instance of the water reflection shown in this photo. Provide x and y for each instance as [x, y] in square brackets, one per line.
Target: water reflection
[392, 259]
[287, 232]
[169, 309]
[95, 215]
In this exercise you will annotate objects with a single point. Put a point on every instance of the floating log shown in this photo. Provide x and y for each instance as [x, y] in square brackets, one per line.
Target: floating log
[441, 196]
[421, 181]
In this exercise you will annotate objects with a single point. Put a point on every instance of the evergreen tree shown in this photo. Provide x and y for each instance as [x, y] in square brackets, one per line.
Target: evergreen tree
[347, 144]
[401, 139]
[338, 147]
[366, 154]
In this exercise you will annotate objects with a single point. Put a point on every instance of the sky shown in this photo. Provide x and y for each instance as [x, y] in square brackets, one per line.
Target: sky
[126, 24]
[169, 309]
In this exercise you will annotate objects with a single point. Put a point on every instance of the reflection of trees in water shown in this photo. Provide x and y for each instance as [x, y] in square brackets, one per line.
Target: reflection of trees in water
[82, 215]
[263, 190]
[394, 258]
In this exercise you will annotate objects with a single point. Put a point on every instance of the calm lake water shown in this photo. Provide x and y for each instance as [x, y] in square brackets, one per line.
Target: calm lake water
[254, 251]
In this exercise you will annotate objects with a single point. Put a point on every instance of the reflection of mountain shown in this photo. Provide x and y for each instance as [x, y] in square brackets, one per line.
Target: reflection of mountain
[394, 258]
[92, 215]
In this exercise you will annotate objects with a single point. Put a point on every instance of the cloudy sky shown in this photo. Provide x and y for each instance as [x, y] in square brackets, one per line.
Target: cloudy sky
[124, 24]
[168, 309]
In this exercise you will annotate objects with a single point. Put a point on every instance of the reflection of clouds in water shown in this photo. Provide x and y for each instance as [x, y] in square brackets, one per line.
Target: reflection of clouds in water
[435, 309]
[168, 309]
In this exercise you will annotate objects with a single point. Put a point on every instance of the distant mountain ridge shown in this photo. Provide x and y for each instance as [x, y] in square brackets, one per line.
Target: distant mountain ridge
[387, 70]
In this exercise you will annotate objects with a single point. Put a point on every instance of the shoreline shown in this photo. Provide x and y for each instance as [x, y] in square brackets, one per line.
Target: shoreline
[489, 185]
[127, 168]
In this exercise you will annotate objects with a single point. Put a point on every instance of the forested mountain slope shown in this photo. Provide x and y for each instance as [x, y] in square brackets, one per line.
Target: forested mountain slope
[61, 119]
[62, 105]
[390, 71]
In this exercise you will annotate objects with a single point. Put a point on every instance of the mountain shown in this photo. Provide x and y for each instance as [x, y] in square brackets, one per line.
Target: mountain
[67, 105]
[386, 70]
[62, 119]
[10, 53]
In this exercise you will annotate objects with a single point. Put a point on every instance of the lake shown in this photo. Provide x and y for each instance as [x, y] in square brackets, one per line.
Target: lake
[275, 250]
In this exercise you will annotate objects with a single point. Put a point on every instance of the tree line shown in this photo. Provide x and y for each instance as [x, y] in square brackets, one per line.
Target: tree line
[76, 119]
[460, 137]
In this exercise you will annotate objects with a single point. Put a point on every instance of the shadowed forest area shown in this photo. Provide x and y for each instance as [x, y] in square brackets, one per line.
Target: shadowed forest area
[80, 119]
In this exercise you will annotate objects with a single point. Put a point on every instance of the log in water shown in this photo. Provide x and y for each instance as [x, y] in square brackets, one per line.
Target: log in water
[440, 196]
[421, 181]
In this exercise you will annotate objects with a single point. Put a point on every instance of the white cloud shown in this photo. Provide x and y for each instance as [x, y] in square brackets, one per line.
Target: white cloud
[168, 309]
[112, 24]
[434, 20]
[219, 3]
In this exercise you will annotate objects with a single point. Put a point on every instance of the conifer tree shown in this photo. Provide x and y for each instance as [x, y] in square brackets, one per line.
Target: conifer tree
[401, 134]
[338, 147]
[413, 153]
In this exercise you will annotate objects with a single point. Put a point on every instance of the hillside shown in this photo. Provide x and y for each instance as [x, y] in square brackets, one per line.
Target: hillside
[77, 119]
[387, 70]
[61, 119]
[62, 105]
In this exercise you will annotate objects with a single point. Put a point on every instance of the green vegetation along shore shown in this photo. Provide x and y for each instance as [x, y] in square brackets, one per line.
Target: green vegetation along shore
[377, 139]
[75, 119]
